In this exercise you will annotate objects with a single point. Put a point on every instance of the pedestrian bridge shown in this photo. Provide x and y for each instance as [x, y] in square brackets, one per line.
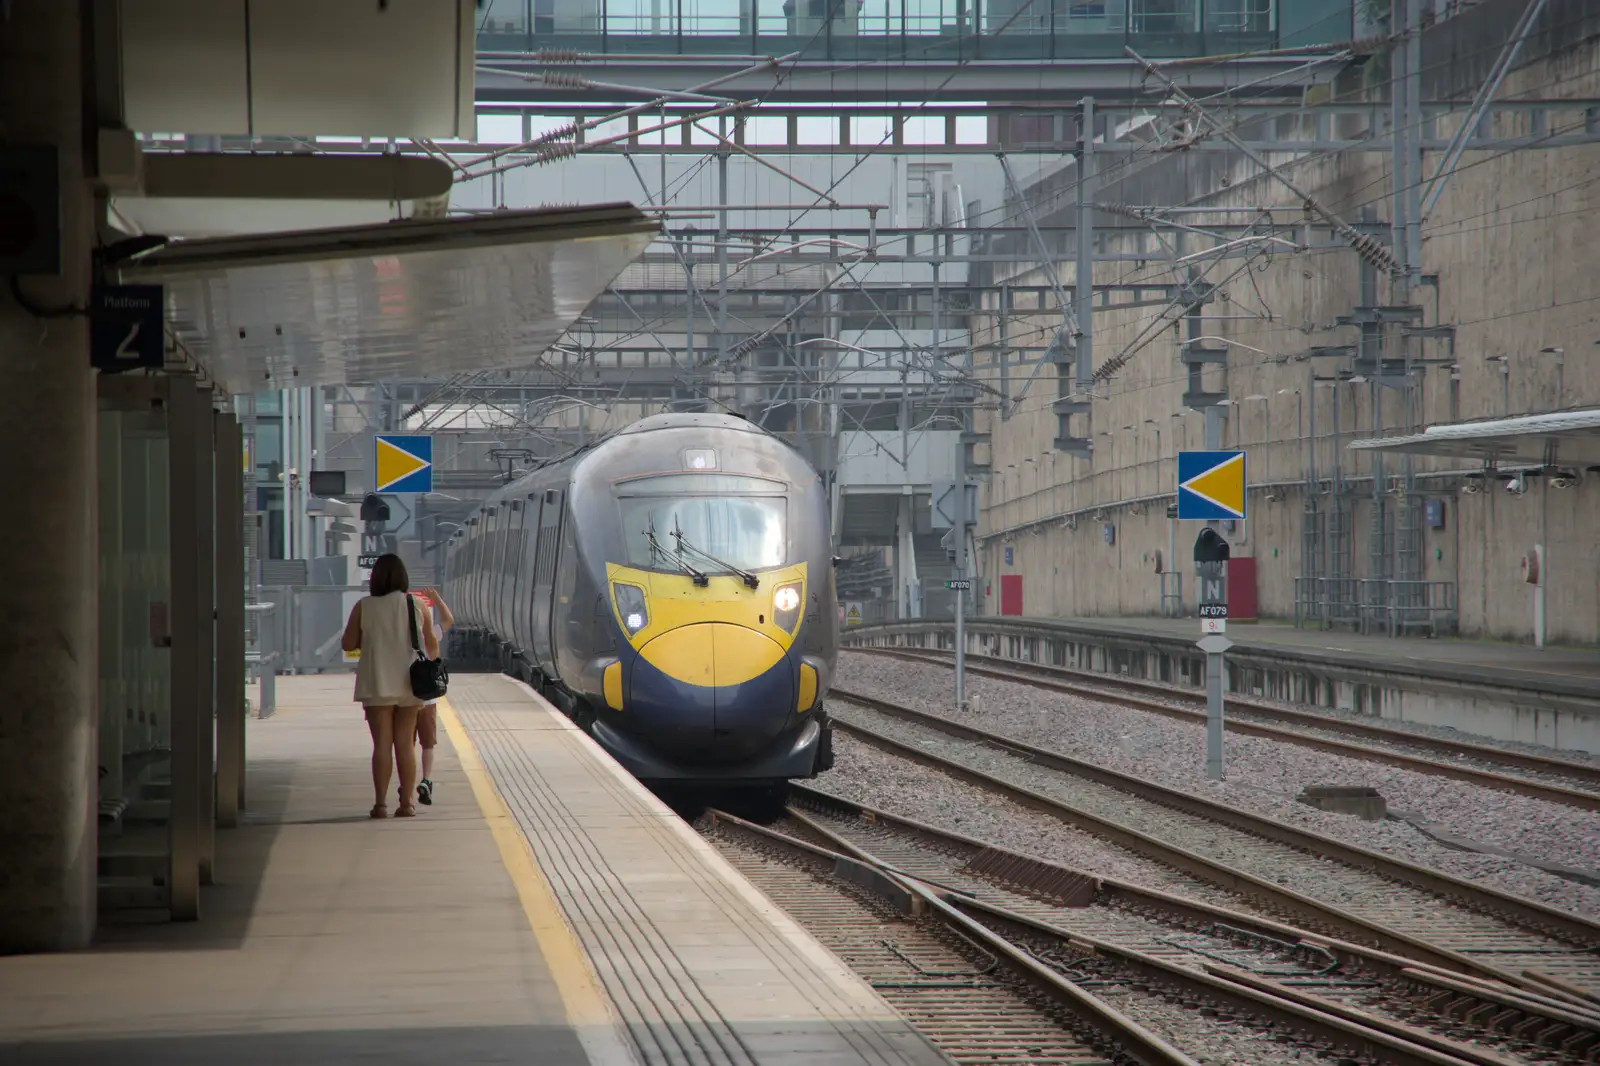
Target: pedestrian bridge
[915, 29]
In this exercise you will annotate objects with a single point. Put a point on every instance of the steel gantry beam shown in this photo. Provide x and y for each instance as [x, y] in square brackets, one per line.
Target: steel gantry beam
[982, 129]
[511, 79]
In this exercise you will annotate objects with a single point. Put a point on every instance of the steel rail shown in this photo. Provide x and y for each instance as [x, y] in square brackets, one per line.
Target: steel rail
[1004, 931]
[1064, 887]
[1369, 1036]
[1050, 677]
[1121, 1032]
[1527, 913]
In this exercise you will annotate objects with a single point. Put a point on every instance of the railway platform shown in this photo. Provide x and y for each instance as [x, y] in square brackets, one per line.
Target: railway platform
[1564, 670]
[547, 908]
[1505, 691]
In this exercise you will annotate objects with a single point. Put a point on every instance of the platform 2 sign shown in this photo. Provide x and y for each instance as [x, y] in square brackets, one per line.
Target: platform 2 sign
[126, 328]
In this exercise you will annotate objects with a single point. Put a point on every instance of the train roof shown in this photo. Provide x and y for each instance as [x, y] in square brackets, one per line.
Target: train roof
[692, 420]
[665, 420]
[705, 420]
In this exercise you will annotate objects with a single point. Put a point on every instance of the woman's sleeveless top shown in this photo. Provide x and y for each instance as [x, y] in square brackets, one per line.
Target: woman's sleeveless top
[383, 677]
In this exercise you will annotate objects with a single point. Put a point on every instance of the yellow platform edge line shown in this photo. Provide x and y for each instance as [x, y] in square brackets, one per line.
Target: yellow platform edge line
[581, 995]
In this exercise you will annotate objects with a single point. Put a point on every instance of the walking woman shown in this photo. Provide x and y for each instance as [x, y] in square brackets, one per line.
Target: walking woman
[380, 628]
[428, 717]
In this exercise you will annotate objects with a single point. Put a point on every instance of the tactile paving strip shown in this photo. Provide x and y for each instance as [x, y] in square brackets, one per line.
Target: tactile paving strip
[675, 936]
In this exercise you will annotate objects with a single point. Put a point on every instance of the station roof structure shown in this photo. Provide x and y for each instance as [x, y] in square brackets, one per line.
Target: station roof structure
[369, 303]
[1560, 436]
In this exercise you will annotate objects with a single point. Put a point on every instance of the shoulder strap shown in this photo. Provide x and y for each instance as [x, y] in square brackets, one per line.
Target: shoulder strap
[411, 616]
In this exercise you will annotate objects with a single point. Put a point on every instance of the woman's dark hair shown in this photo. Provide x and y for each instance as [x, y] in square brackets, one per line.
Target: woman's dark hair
[389, 575]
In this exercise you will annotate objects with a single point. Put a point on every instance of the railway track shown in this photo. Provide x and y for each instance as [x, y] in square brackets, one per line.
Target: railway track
[1422, 1005]
[1313, 880]
[1557, 780]
[850, 899]
[972, 994]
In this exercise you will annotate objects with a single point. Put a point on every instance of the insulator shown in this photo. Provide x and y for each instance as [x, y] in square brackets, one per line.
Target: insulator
[564, 80]
[560, 133]
[552, 152]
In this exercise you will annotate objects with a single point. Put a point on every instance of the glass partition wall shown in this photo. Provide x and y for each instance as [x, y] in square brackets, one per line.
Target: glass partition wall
[171, 587]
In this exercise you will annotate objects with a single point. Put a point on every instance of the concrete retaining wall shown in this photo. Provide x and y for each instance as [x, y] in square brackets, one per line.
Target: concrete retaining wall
[1466, 699]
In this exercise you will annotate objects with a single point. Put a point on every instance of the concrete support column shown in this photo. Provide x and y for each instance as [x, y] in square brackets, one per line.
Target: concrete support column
[908, 590]
[230, 620]
[901, 598]
[206, 607]
[191, 509]
[48, 630]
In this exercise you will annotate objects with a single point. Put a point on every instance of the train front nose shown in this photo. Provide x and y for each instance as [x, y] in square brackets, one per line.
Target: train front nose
[713, 690]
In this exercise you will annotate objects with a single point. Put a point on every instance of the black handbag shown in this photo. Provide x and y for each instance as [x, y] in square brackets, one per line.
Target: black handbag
[429, 678]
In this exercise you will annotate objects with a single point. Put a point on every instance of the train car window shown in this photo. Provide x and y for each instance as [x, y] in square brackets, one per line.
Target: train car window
[742, 531]
[516, 565]
[535, 521]
[544, 576]
[486, 569]
[567, 576]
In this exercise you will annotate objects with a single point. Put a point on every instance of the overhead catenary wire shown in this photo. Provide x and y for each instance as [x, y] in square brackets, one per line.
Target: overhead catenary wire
[836, 183]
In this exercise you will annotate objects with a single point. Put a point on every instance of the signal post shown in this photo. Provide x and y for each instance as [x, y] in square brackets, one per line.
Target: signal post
[1212, 488]
[1211, 573]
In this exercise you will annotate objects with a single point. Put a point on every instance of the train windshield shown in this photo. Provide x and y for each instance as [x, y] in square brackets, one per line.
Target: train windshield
[738, 520]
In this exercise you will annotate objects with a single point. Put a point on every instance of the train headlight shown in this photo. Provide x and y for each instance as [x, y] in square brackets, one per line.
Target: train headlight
[630, 605]
[786, 606]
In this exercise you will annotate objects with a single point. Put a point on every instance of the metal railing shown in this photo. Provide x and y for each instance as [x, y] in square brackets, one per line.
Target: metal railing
[260, 659]
[1429, 605]
[1171, 594]
[299, 626]
[1377, 605]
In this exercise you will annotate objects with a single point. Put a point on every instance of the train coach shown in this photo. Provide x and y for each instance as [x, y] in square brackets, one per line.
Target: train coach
[670, 587]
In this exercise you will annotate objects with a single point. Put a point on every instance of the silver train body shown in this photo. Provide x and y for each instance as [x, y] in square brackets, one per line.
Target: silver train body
[671, 588]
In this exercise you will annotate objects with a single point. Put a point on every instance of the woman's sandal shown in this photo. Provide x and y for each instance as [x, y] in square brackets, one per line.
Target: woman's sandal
[406, 810]
[378, 811]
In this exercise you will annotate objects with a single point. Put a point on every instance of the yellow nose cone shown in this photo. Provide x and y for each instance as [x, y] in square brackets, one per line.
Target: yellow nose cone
[712, 654]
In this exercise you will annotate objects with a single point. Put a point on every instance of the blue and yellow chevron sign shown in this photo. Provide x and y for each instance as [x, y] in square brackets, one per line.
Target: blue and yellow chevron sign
[404, 463]
[1211, 486]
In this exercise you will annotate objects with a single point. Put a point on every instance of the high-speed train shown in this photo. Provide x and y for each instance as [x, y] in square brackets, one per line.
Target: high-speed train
[670, 587]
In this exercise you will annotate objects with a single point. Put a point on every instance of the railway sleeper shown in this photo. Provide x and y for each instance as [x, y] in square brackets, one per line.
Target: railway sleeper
[1582, 1043]
[1507, 1020]
[1444, 1001]
[1475, 1018]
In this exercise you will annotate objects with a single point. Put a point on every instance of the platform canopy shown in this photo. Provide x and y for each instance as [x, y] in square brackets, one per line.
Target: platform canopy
[1560, 437]
[363, 304]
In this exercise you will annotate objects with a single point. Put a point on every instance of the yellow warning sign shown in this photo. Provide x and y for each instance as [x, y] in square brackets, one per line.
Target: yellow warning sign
[1213, 486]
[852, 615]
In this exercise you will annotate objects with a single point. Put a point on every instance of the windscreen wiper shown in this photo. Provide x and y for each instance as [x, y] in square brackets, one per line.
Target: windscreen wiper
[656, 549]
[749, 578]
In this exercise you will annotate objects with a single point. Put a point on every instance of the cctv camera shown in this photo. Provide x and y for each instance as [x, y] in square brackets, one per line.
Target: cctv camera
[1515, 486]
[1471, 488]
